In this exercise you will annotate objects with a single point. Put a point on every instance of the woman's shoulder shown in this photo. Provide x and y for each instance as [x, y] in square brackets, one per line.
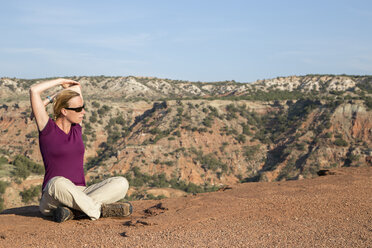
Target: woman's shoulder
[76, 126]
[48, 127]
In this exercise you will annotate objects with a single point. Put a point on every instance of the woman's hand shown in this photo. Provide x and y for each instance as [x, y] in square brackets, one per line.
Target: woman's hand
[66, 83]
[72, 85]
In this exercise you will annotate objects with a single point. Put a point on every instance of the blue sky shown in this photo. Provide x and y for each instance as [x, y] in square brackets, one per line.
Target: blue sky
[205, 40]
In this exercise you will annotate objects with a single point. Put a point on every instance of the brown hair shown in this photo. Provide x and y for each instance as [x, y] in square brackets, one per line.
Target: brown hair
[61, 101]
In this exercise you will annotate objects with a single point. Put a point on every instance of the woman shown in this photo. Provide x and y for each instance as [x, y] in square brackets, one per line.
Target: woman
[62, 149]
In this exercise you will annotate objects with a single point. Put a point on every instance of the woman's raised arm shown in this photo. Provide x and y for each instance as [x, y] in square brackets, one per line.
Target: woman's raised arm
[37, 104]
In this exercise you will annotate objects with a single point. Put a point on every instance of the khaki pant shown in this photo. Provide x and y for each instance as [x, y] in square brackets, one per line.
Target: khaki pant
[60, 191]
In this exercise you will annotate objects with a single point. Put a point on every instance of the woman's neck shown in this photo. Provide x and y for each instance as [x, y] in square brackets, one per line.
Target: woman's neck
[63, 124]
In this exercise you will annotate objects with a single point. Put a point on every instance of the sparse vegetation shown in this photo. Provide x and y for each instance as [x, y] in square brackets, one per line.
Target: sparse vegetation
[241, 138]
[95, 104]
[33, 134]
[103, 110]
[30, 193]
[288, 171]
[258, 128]
[3, 186]
[23, 167]
[209, 161]
[340, 142]
[3, 160]
[138, 179]
[250, 151]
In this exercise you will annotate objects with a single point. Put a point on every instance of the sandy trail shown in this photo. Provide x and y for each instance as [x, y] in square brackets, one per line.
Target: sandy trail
[330, 211]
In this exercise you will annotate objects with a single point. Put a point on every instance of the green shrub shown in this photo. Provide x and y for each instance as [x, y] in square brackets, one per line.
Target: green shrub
[3, 186]
[168, 163]
[230, 116]
[250, 151]
[179, 111]
[159, 181]
[85, 138]
[262, 136]
[113, 137]
[353, 157]
[246, 129]
[32, 134]
[1, 203]
[24, 166]
[263, 178]
[93, 118]
[340, 142]
[231, 108]
[300, 146]
[3, 160]
[138, 179]
[102, 111]
[30, 193]
[202, 130]
[96, 104]
[240, 138]
[338, 136]
[120, 120]
[208, 121]
[210, 162]
[177, 133]
[328, 135]
[213, 112]
[152, 197]
[368, 103]
[327, 124]
[228, 131]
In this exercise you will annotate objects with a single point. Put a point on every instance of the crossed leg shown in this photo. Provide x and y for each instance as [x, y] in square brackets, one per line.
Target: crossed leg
[60, 191]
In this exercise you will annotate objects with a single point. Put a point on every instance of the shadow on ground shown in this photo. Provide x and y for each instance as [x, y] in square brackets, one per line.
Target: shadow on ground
[28, 211]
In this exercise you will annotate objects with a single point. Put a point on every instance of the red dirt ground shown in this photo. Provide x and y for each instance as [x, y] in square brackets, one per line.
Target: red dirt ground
[329, 211]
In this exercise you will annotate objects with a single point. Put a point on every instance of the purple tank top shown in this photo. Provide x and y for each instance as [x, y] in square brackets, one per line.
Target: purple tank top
[63, 154]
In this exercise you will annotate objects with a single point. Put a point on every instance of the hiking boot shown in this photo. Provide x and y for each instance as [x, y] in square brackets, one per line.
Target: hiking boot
[119, 209]
[78, 215]
[62, 214]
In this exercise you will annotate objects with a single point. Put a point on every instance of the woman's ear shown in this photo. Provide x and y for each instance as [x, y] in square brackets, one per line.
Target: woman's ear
[64, 112]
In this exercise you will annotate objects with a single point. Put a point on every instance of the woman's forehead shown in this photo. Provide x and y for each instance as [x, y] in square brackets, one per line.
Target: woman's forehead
[76, 100]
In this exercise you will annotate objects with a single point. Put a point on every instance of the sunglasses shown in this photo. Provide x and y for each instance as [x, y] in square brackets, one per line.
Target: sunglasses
[78, 109]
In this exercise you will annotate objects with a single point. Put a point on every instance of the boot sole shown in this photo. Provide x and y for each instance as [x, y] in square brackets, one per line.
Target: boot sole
[122, 209]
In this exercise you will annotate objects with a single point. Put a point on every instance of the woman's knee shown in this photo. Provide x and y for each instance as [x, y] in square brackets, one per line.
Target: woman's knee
[121, 185]
[123, 182]
[57, 183]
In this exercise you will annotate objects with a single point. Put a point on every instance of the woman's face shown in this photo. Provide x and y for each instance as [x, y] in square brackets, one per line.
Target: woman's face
[72, 115]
